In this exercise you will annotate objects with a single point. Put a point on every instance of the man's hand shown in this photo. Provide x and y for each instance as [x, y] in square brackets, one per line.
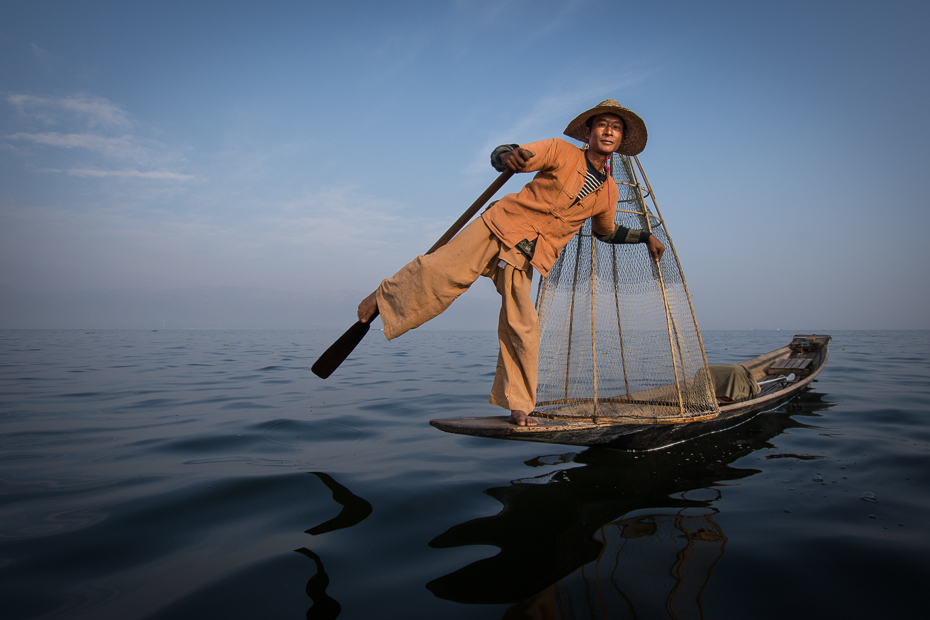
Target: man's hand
[516, 159]
[656, 248]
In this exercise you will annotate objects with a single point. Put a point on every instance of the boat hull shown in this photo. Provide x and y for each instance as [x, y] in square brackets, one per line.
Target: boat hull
[647, 436]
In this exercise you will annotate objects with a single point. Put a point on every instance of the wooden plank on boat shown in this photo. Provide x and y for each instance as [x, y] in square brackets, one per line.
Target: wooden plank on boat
[799, 365]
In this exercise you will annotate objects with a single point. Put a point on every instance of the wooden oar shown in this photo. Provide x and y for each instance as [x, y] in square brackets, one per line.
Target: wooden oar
[339, 350]
[787, 379]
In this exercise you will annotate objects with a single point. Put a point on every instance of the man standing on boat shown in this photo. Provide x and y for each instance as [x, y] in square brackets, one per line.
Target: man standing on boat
[517, 233]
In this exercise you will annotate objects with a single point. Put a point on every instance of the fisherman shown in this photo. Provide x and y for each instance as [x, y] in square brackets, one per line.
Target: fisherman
[517, 233]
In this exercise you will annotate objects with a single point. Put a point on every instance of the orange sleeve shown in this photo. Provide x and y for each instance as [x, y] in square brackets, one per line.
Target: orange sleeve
[602, 223]
[545, 154]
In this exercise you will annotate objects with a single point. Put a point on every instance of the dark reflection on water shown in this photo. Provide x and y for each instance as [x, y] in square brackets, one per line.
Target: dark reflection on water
[354, 508]
[324, 607]
[354, 511]
[165, 475]
[632, 533]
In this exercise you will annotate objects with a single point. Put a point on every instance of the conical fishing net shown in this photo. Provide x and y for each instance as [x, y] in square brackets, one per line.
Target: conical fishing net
[619, 339]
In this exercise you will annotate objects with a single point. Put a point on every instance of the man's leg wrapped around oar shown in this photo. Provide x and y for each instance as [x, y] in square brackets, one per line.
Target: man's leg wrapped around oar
[426, 286]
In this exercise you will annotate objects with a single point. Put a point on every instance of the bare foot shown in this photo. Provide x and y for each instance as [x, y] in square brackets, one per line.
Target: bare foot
[368, 308]
[521, 418]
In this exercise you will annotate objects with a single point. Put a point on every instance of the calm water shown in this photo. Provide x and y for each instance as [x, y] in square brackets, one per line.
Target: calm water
[209, 474]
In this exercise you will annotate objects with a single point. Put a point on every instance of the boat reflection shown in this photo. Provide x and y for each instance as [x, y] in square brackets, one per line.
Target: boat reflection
[673, 555]
[613, 534]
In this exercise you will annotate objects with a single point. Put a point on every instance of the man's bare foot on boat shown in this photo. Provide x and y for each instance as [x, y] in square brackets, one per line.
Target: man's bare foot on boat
[368, 308]
[520, 418]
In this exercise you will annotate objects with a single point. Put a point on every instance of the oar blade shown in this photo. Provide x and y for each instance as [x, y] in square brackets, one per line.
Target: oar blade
[340, 350]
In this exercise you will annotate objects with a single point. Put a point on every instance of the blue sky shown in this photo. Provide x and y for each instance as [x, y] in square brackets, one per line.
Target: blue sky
[304, 146]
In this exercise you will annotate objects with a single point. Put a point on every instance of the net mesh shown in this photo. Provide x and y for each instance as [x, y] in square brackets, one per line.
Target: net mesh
[618, 335]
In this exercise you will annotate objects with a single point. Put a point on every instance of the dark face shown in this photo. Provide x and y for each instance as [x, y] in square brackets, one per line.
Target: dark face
[605, 134]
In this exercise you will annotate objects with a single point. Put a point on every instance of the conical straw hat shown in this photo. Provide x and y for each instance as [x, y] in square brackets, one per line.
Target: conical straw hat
[634, 135]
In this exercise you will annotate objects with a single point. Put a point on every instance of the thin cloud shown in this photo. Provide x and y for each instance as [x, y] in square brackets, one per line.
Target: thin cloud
[282, 244]
[162, 175]
[38, 51]
[107, 138]
[91, 110]
[558, 109]
[125, 148]
[566, 103]
[114, 147]
[566, 9]
[487, 12]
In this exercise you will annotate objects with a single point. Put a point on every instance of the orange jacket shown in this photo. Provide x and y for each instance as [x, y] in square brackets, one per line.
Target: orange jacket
[543, 209]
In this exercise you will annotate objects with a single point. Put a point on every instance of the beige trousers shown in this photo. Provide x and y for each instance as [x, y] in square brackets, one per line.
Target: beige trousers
[428, 285]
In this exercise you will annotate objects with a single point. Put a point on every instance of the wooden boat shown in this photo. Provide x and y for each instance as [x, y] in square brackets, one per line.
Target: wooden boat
[804, 358]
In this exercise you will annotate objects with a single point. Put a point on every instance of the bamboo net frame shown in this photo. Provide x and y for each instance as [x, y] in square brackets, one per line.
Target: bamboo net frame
[619, 336]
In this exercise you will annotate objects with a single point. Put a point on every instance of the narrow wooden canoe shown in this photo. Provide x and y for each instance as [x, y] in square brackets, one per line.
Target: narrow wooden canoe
[805, 357]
